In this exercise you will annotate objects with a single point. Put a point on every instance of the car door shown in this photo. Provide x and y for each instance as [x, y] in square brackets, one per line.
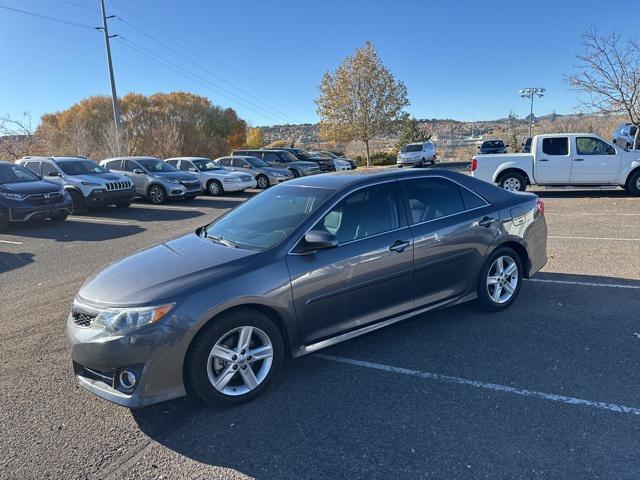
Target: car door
[138, 179]
[34, 166]
[51, 173]
[367, 277]
[594, 161]
[241, 165]
[553, 161]
[273, 159]
[452, 228]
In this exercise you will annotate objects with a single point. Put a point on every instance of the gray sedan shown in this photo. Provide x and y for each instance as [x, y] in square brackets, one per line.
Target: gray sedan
[302, 266]
[265, 174]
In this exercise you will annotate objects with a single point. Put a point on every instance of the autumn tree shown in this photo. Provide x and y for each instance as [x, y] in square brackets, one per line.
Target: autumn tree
[608, 73]
[410, 132]
[16, 137]
[360, 100]
[255, 138]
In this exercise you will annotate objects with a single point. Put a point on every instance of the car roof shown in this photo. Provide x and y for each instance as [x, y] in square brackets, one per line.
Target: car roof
[131, 158]
[187, 158]
[70, 158]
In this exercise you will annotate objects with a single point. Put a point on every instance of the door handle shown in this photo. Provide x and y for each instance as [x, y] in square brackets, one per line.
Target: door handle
[578, 159]
[543, 160]
[486, 222]
[399, 246]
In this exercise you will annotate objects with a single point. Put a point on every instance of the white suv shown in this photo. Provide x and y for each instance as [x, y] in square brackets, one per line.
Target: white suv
[624, 135]
[417, 155]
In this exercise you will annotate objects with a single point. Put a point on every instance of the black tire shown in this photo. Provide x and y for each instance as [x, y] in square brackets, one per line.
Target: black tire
[126, 204]
[198, 360]
[78, 204]
[485, 301]
[295, 173]
[633, 183]
[262, 182]
[59, 218]
[4, 220]
[214, 188]
[156, 194]
[513, 181]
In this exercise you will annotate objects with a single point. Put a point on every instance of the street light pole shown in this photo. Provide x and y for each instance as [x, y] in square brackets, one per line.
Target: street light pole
[114, 95]
[529, 93]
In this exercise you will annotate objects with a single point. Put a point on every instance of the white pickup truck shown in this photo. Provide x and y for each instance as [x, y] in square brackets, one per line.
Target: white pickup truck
[562, 159]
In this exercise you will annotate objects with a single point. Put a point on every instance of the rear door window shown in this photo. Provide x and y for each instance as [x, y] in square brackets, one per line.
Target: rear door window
[33, 166]
[432, 198]
[593, 146]
[555, 146]
[47, 168]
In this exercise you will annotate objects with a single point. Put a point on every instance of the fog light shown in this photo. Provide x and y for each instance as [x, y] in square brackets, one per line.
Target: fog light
[127, 379]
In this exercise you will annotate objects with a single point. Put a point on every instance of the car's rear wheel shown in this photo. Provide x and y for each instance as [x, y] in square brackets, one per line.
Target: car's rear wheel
[262, 181]
[78, 203]
[234, 358]
[633, 184]
[500, 280]
[214, 188]
[513, 181]
[156, 194]
[295, 173]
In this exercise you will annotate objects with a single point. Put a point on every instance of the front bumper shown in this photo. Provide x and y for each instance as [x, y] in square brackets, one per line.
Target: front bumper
[405, 162]
[238, 186]
[24, 214]
[306, 173]
[276, 180]
[157, 352]
[178, 190]
[110, 197]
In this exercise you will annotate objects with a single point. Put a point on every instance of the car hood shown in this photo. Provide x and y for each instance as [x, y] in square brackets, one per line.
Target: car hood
[174, 175]
[272, 170]
[29, 188]
[303, 163]
[160, 272]
[101, 178]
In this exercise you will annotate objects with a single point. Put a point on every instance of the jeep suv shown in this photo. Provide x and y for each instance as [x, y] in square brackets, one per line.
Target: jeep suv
[624, 135]
[25, 196]
[282, 159]
[88, 184]
[154, 179]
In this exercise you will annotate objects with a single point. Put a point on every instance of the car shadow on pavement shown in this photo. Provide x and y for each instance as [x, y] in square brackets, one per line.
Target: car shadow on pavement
[12, 261]
[70, 231]
[140, 214]
[619, 193]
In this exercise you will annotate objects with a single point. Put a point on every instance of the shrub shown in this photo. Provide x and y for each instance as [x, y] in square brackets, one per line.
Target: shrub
[377, 159]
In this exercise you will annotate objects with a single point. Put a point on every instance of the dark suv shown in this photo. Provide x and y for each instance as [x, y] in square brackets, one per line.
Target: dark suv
[326, 164]
[282, 158]
[25, 196]
[493, 146]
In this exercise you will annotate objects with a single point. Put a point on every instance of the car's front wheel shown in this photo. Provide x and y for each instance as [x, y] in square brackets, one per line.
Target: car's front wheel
[234, 358]
[78, 203]
[4, 219]
[262, 182]
[157, 195]
[214, 188]
[500, 280]
[59, 218]
[633, 184]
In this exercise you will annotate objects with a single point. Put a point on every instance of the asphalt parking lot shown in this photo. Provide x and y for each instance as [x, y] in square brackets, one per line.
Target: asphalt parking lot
[547, 389]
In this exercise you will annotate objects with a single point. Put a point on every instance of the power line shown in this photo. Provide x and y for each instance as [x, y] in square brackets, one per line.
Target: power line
[79, 5]
[185, 73]
[47, 17]
[207, 57]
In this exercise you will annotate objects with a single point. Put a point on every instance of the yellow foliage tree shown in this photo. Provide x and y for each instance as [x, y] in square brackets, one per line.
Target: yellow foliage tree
[255, 138]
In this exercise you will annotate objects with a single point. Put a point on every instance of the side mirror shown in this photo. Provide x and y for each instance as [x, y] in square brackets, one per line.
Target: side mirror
[139, 171]
[193, 169]
[53, 174]
[320, 240]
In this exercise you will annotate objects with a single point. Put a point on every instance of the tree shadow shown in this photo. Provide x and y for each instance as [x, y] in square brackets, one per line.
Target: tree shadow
[13, 261]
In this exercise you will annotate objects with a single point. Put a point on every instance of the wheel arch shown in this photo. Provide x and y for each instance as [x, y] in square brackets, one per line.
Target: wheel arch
[522, 253]
[507, 170]
[631, 173]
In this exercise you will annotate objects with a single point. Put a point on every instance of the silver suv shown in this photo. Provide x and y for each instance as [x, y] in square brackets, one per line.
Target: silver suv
[417, 155]
[88, 184]
[155, 179]
[624, 135]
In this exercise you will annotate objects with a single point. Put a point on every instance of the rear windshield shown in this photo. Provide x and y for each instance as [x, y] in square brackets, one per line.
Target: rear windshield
[493, 144]
[16, 174]
[80, 167]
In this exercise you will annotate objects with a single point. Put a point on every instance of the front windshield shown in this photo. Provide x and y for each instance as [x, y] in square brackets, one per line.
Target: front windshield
[412, 148]
[80, 167]
[16, 174]
[154, 165]
[257, 162]
[267, 218]
[330, 154]
[206, 165]
[302, 155]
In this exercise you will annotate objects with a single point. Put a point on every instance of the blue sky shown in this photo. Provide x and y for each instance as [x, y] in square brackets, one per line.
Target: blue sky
[459, 59]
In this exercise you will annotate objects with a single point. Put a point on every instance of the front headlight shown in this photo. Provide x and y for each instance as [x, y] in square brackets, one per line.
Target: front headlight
[172, 180]
[276, 174]
[90, 184]
[12, 196]
[123, 320]
[230, 179]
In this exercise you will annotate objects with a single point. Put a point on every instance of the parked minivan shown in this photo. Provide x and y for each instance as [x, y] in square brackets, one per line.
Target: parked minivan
[417, 155]
[155, 179]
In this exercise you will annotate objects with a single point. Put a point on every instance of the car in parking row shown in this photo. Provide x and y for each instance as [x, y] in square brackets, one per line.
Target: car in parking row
[265, 175]
[87, 183]
[213, 178]
[417, 155]
[25, 196]
[282, 158]
[337, 159]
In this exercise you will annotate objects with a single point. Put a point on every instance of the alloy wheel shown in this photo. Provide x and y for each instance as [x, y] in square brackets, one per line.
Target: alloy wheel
[240, 360]
[214, 188]
[156, 194]
[263, 182]
[502, 279]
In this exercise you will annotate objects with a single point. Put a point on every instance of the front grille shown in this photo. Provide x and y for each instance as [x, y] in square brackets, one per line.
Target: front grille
[39, 199]
[83, 319]
[111, 186]
[190, 184]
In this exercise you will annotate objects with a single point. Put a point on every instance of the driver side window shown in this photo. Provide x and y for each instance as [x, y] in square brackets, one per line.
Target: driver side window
[362, 214]
[47, 168]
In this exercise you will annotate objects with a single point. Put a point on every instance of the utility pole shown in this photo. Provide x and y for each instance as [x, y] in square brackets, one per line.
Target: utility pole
[114, 95]
[531, 92]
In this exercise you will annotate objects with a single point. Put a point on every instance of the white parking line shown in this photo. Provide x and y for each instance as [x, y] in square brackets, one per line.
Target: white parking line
[164, 207]
[10, 242]
[99, 220]
[596, 238]
[612, 407]
[584, 284]
[592, 214]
